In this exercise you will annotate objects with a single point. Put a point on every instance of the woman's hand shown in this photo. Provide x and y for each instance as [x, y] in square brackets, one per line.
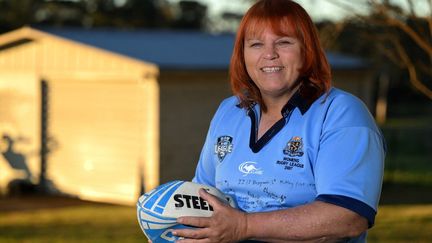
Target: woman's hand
[225, 225]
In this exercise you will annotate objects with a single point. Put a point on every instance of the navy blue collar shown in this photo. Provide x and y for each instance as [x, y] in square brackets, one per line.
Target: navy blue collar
[297, 100]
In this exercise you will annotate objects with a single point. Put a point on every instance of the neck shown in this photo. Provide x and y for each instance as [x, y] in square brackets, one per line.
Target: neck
[274, 108]
[275, 104]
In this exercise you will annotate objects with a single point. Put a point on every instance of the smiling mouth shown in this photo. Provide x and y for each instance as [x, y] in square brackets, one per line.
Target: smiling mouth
[271, 69]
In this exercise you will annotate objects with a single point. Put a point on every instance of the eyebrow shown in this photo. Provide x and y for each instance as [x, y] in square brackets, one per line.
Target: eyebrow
[278, 37]
[252, 39]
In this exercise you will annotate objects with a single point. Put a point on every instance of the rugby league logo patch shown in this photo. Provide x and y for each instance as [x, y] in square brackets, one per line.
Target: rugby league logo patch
[223, 146]
[294, 147]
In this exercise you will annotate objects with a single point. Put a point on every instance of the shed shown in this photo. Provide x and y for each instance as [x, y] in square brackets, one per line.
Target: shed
[192, 82]
[100, 110]
[194, 79]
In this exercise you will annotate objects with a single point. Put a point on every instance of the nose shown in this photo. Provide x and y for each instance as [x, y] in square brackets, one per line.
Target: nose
[270, 53]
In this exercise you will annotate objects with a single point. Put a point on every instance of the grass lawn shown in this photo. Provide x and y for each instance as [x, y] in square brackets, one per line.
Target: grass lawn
[95, 223]
[72, 224]
[403, 223]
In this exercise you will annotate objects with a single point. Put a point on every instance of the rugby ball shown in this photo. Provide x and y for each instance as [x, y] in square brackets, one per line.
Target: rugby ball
[158, 209]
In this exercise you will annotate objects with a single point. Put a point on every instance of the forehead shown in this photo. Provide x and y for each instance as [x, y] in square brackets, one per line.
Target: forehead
[281, 27]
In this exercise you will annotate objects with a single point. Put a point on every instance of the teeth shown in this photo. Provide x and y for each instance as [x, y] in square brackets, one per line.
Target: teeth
[271, 69]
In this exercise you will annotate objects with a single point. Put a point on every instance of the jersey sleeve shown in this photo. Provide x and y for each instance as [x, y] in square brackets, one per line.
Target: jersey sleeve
[350, 161]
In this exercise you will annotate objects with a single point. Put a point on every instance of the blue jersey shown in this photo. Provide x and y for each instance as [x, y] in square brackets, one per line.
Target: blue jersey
[330, 150]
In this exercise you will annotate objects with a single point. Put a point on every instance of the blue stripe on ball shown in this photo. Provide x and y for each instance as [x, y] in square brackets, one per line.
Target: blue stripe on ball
[152, 198]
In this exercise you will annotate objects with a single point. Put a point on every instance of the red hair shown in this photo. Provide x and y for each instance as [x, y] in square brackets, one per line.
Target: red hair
[285, 17]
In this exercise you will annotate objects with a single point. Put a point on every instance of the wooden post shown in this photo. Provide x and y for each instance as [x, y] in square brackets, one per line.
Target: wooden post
[44, 136]
[381, 105]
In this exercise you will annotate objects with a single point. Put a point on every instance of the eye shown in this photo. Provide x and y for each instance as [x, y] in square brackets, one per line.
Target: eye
[285, 42]
[255, 44]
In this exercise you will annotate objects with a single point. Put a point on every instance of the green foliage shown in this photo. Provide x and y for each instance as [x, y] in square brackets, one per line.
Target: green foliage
[409, 151]
[101, 13]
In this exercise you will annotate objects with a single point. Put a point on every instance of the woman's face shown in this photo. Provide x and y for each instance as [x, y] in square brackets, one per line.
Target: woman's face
[273, 62]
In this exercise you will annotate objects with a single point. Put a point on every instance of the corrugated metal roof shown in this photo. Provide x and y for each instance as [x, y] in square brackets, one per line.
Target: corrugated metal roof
[173, 49]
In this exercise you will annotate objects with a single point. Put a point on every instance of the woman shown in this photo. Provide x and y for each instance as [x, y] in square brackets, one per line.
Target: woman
[304, 161]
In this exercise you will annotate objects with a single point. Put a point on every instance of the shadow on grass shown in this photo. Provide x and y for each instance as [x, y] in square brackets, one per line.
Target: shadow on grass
[38, 202]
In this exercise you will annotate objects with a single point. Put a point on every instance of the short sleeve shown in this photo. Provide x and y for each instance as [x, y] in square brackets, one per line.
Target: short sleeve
[350, 162]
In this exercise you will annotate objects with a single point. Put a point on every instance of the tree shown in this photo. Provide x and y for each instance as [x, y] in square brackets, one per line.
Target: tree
[400, 35]
[228, 19]
[192, 15]
[17, 13]
[102, 13]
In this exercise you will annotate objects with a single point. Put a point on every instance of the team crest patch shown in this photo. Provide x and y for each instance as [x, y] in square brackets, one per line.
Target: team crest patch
[223, 147]
[294, 147]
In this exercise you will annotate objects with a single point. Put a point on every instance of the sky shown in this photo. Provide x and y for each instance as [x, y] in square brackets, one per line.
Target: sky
[318, 9]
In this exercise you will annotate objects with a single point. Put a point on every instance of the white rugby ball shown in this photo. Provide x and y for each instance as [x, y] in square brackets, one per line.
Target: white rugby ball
[158, 209]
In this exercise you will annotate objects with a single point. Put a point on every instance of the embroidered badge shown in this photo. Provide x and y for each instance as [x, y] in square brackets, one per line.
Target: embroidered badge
[223, 147]
[294, 147]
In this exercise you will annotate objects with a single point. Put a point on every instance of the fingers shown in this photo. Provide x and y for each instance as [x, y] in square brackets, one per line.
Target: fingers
[212, 200]
[193, 241]
[200, 222]
[191, 233]
[206, 227]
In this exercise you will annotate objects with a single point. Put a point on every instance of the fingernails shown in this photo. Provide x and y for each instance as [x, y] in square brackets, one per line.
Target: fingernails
[203, 190]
